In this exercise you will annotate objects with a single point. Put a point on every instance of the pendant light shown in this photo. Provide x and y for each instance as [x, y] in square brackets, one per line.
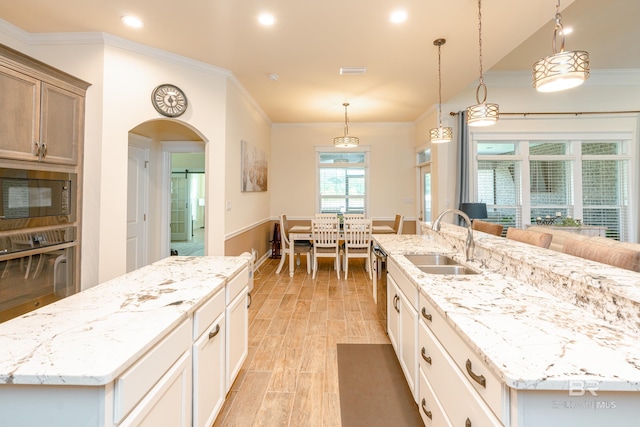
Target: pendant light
[440, 134]
[562, 70]
[346, 141]
[481, 114]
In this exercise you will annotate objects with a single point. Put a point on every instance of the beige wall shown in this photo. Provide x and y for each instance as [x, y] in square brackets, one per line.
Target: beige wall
[392, 170]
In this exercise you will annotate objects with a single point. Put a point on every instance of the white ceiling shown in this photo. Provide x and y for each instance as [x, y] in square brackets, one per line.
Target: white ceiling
[311, 41]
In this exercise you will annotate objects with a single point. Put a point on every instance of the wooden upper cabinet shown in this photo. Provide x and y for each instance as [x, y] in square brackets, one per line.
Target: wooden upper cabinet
[60, 124]
[41, 113]
[19, 115]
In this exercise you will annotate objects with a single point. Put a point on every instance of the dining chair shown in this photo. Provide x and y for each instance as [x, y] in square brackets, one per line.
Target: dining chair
[397, 225]
[299, 246]
[326, 242]
[326, 216]
[351, 216]
[357, 243]
[488, 227]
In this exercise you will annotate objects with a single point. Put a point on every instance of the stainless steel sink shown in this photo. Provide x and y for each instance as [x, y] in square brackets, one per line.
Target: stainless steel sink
[439, 264]
[447, 269]
[420, 260]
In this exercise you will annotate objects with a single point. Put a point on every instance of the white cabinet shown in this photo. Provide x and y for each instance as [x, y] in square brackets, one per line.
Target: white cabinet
[237, 335]
[237, 315]
[393, 313]
[462, 405]
[209, 361]
[402, 323]
[408, 342]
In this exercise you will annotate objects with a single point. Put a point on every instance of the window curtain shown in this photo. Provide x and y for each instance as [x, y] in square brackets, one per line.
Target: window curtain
[463, 160]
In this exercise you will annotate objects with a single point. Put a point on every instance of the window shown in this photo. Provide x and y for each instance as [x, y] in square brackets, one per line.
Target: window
[342, 181]
[584, 179]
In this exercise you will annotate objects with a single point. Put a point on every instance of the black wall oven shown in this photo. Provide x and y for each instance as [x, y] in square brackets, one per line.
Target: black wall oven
[38, 239]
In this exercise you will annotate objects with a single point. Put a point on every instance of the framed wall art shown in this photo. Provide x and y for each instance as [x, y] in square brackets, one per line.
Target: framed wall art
[254, 168]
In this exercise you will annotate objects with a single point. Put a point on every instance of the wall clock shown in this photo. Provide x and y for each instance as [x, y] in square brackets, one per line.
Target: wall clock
[169, 100]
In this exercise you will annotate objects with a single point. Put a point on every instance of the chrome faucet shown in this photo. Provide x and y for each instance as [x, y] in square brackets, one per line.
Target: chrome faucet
[470, 244]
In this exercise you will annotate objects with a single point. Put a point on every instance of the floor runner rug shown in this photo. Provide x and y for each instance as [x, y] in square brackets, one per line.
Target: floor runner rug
[373, 390]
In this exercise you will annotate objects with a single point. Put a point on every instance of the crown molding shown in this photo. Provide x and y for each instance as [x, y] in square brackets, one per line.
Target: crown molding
[97, 38]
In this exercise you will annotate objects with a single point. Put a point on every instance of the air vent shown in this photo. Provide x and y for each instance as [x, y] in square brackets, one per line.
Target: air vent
[353, 70]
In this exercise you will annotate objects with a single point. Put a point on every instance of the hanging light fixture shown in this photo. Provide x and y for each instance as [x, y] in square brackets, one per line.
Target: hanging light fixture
[346, 141]
[562, 70]
[440, 134]
[481, 114]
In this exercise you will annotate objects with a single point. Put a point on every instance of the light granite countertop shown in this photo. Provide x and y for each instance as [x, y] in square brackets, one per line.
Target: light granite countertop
[93, 336]
[533, 337]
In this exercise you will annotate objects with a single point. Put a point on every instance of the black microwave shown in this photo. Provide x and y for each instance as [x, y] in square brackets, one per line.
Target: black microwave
[33, 198]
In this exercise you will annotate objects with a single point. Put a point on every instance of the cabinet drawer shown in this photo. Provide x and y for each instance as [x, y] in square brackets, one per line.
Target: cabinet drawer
[409, 288]
[459, 399]
[168, 402]
[494, 392]
[134, 384]
[430, 408]
[205, 315]
[236, 285]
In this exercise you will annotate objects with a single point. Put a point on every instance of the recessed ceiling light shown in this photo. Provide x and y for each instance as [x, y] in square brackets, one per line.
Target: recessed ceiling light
[131, 21]
[398, 16]
[266, 19]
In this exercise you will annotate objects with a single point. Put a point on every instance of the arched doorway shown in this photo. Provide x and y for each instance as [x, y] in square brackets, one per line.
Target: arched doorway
[149, 185]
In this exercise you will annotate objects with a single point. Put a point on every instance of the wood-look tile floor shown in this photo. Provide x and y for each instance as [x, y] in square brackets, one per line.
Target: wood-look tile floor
[290, 377]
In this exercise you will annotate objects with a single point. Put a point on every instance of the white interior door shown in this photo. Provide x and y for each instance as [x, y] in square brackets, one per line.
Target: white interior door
[180, 214]
[425, 194]
[137, 195]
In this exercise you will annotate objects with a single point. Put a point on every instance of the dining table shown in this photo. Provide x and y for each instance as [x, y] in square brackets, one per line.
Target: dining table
[303, 233]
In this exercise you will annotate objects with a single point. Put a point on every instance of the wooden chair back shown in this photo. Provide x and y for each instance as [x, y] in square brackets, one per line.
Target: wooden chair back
[488, 227]
[397, 225]
[357, 233]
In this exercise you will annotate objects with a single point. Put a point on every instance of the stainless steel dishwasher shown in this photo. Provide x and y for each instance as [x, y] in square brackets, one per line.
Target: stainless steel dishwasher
[380, 283]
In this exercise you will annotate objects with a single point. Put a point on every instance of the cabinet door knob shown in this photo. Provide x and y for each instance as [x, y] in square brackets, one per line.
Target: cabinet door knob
[477, 378]
[426, 358]
[426, 315]
[427, 412]
[467, 423]
[215, 332]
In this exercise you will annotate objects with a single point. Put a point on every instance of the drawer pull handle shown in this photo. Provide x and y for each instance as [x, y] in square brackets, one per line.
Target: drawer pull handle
[426, 315]
[477, 378]
[426, 358]
[250, 300]
[395, 303]
[427, 412]
[214, 333]
[467, 423]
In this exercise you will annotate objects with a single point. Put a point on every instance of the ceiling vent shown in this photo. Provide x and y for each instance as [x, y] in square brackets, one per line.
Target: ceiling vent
[353, 70]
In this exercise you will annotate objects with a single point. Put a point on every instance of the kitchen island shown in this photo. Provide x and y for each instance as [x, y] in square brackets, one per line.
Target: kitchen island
[536, 338]
[130, 351]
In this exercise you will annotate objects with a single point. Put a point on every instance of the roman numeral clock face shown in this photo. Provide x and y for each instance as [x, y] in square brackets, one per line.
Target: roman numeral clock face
[169, 100]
